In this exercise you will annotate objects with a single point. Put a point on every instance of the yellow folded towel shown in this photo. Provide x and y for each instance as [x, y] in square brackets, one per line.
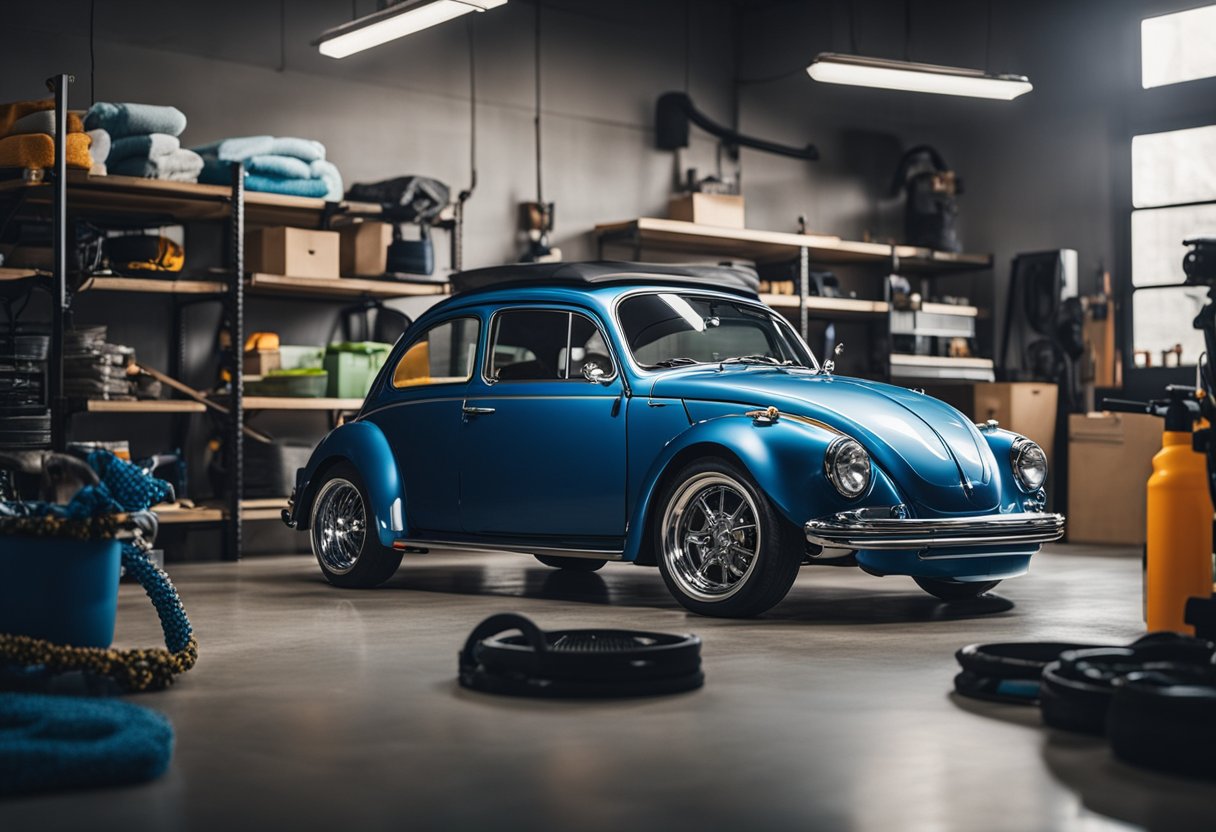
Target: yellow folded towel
[37, 150]
[19, 109]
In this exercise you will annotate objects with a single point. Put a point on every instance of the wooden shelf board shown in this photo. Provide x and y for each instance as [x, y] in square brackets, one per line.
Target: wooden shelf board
[950, 309]
[132, 197]
[764, 246]
[175, 513]
[144, 406]
[152, 285]
[940, 361]
[216, 511]
[278, 284]
[300, 403]
[828, 307]
[7, 273]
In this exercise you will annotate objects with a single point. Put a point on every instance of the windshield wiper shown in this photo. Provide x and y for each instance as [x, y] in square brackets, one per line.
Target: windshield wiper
[675, 362]
[756, 359]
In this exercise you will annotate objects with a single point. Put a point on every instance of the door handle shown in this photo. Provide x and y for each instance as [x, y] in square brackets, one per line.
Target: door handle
[476, 411]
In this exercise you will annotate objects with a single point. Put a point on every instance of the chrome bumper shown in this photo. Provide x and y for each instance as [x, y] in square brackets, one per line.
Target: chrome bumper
[856, 530]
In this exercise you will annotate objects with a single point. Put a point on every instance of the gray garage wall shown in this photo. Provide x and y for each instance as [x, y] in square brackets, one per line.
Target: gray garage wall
[1038, 171]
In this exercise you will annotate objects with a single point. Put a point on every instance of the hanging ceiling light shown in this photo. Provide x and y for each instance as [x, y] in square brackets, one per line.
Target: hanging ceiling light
[833, 68]
[395, 21]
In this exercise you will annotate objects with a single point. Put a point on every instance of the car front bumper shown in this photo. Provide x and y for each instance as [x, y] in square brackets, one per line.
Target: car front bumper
[865, 529]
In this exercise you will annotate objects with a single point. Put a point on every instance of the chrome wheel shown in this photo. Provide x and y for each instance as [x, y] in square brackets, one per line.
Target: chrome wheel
[339, 526]
[711, 538]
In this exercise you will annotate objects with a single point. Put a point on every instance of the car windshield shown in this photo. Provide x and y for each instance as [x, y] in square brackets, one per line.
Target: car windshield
[667, 329]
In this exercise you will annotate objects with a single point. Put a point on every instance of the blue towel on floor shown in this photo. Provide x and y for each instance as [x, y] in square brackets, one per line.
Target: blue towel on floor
[121, 120]
[282, 167]
[146, 147]
[244, 148]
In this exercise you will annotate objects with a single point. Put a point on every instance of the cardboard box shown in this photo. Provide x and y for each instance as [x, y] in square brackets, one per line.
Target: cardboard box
[364, 248]
[724, 210]
[261, 362]
[298, 252]
[1110, 458]
[1028, 408]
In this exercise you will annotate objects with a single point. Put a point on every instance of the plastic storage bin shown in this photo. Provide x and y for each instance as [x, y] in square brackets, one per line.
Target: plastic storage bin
[352, 366]
[58, 589]
[302, 383]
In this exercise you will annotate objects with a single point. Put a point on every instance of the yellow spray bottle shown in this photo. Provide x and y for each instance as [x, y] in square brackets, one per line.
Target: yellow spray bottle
[1178, 549]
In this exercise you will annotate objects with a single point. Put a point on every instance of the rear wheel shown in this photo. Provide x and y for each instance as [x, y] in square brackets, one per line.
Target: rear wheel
[343, 533]
[721, 547]
[948, 590]
[571, 564]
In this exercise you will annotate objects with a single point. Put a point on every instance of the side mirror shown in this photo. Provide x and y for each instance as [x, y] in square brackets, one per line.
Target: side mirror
[593, 373]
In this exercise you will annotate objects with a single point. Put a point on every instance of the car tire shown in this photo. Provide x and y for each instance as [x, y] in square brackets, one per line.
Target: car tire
[703, 537]
[571, 564]
[342, 533]
[948, 590]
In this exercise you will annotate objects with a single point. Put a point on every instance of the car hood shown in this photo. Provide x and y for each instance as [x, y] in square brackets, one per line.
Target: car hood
[934, 454]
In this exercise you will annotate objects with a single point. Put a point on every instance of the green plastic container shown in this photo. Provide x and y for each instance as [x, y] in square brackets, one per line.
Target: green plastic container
[352, 366]
[304, 383]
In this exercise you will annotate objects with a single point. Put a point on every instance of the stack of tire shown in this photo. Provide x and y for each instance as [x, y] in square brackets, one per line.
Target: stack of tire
[1154, 700]
[25, 420]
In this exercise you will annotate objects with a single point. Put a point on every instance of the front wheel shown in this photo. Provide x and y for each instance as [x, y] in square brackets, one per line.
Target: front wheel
[722, 548]
[343, 533]
[571, 564]
[948, 590]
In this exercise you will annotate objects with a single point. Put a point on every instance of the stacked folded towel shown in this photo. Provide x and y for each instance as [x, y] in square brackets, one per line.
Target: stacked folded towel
[144, 141]
[28, 128]
[277, 165]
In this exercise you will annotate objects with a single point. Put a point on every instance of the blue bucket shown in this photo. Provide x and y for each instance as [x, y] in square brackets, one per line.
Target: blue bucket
[59, 589]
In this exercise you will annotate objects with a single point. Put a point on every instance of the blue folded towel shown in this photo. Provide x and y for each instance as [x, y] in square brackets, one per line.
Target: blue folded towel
[179, 166]
[283, 167]
[149, 146]
[328, 173]
[290, 187]
[121, 120]
[244, 148]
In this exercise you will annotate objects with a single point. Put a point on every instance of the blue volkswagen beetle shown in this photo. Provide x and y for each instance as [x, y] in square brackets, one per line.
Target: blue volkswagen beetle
[663, 416]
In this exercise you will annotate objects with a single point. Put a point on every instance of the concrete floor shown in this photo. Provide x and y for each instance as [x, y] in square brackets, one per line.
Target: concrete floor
[316, 708]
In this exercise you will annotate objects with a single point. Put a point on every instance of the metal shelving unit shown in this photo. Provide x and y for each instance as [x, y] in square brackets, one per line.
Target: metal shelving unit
[678, 236]
[67, 197]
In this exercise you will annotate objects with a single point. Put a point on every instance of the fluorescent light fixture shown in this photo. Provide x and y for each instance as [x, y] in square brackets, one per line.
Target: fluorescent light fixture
[395, 21]
[831, 68]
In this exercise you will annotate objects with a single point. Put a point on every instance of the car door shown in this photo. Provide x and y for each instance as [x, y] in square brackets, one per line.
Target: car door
[542, 447]
[421, 418]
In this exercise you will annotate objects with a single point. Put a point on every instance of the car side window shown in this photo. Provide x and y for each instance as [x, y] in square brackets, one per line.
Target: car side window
[445, 354]
[544, 345]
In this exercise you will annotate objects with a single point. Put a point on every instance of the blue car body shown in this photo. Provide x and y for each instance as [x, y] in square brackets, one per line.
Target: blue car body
[566, 466]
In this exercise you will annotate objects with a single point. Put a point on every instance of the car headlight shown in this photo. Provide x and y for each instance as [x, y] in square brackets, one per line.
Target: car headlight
[1029, 464]
[847, 466]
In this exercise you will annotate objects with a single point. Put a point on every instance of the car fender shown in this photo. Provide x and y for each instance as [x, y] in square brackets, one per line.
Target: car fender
[784, 457]
[362, 444]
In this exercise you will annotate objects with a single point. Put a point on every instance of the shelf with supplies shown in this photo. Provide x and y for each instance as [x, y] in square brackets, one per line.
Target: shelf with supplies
[658, 234]
[906, 330]
[159, 200]
[267, 284]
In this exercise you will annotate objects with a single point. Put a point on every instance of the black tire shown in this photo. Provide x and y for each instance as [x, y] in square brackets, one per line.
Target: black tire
[777, 547]
[360, 562]
[948, 590]
[571, 564]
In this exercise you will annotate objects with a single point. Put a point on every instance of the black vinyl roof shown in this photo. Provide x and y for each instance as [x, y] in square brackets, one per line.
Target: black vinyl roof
[738, 279]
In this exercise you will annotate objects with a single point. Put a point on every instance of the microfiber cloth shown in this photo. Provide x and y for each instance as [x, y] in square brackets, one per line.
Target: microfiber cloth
[43, 121]
[135, 119]
[290, 187]
[179, 166]
[284, 167]
[148, 146]
[100, 149]
[328, 173]
[246, 147]
[50, 743]
[37, 150]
